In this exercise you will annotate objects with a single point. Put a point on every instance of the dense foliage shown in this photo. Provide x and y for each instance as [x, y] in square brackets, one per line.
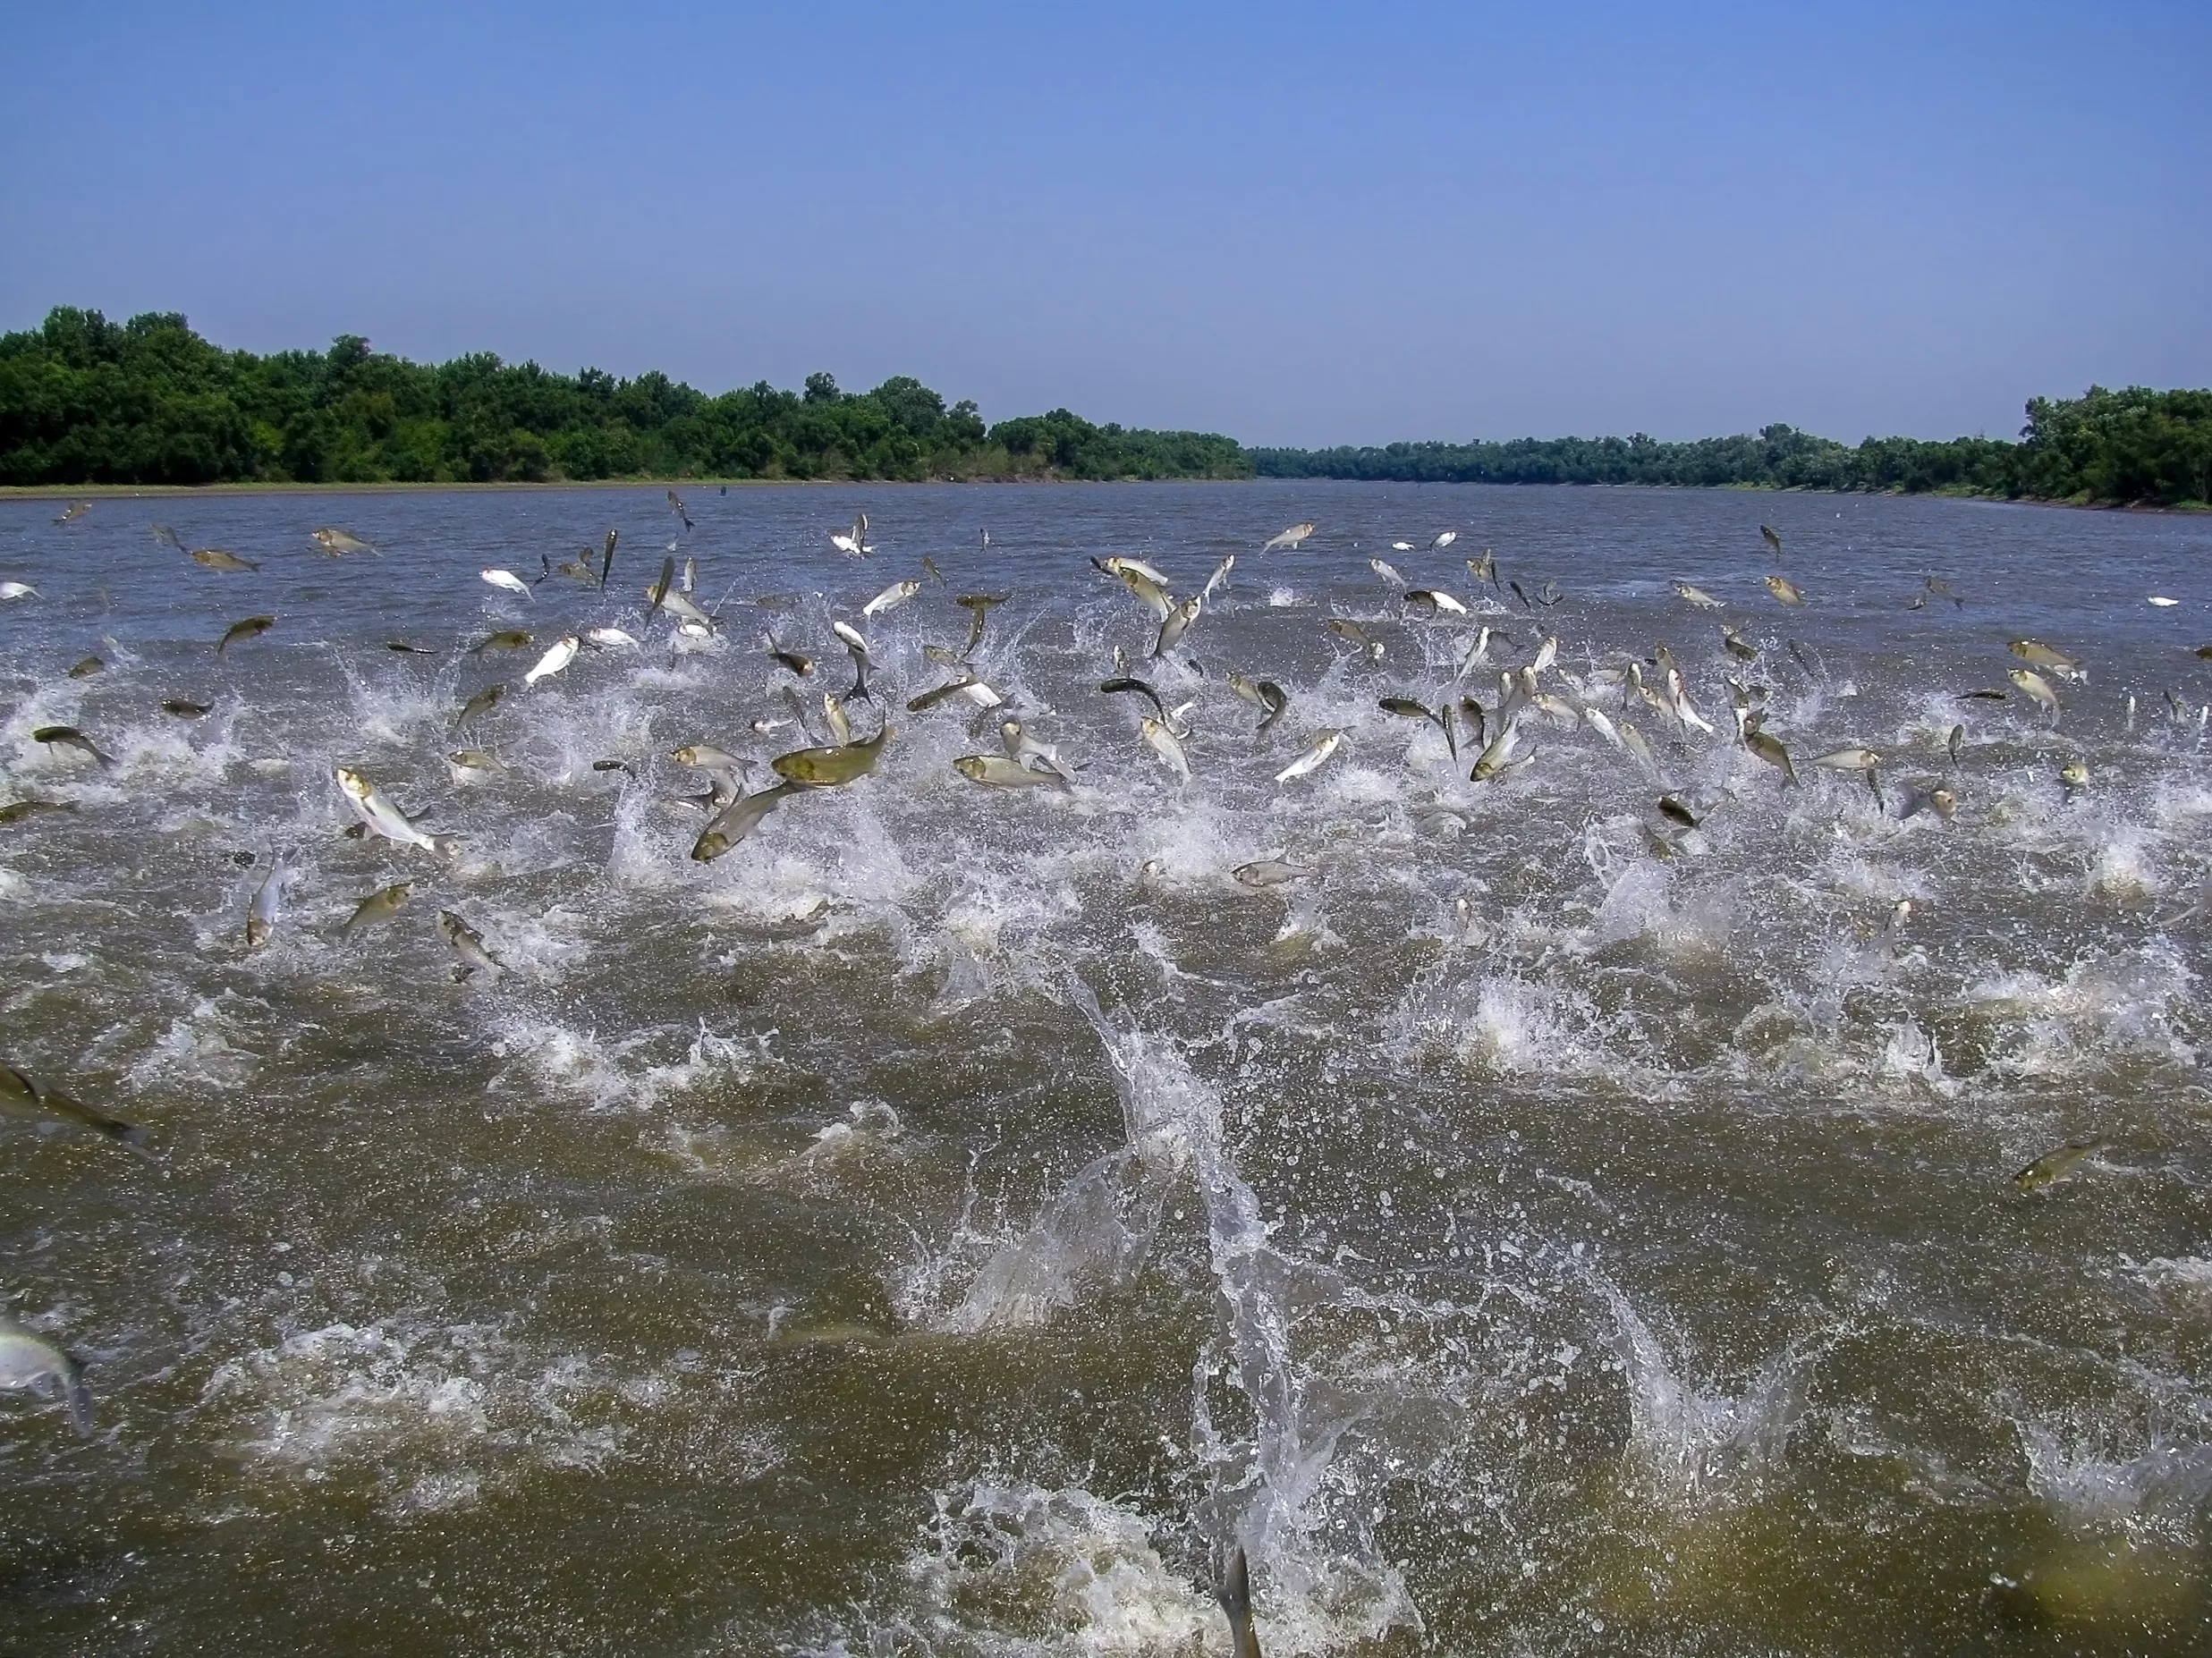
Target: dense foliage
[2112, 447]
[83, 399]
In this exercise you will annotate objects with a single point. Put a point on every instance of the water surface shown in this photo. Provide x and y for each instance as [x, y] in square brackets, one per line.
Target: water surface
[947, 1222]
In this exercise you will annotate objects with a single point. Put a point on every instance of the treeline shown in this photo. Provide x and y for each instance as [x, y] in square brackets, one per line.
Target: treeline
[2109, 448]
[83, 399]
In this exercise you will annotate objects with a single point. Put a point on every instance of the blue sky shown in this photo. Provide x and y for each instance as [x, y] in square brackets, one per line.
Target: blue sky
[1293, 224]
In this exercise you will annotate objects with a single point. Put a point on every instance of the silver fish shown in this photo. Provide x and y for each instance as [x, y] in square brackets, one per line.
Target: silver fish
[2036, 689]
[1175, 625]
[998, 772]
[1769, 747]
[2055, 1165]
[467, 946]
[506, 581]
[738, 819]
[333, 542]
[29, 1363]
[1324, 745]
[1164, 744]
[610, 638]
[891, 597]
[379, 816]
[1434, 602]
[1267, 872]
[2042, 656]
[1292, 537]
[1697, 596]
[1785, 589]
[379, 907]
[1220, 578]
[1851, 759]
[563, 653]
[1387, 571]
[261, 916]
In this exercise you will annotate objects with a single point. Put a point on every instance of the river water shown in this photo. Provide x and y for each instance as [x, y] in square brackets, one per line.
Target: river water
[950, 1221]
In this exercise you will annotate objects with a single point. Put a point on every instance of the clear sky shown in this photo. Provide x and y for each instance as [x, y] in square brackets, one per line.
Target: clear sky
[1293, 223]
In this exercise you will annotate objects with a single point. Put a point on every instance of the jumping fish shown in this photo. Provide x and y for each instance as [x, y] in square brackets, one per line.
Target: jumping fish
[70, 737]
[2055, 1165]
[1324, 745]
[1738, 647]
[467, 946]
[1175, 625]
[17, 590]
[1769, 747]
[1785, 589]
[261, 915]
[405, 649]
[853, 544]
[1162, 739]
[506, 639]
[611, 638]
[86, 669]
[738, 819]
[505, 579]
[1220, 578]
[1443, 540]
[379, 816]
[1697, 596]
[2036, 689]
[856, 649]
[1353, 632]
[334, 542]
[930, 565]
[558, 658]
[29, 1363]
[1434, 602]
[829, 768]
[15, 811]
[979, 606]
[1387, 571]
[251, 627]
[1484, 569]
[184, 710]
[1235, 1594]
[998, 772]
[1851, 759]
[1291, 538]
[73, 510]
[379, 907]
[676, 505]
[19, 1097]
[792, 661]
[483, 702]
[891, 597]
[2042, 656]
[1267, 872]
[166, 536]
[1772, 537]
[215, 558]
